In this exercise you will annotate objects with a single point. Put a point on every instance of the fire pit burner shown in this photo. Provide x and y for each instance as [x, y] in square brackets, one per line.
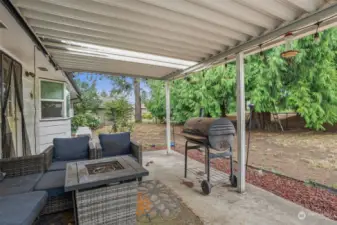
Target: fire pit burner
[104, 167]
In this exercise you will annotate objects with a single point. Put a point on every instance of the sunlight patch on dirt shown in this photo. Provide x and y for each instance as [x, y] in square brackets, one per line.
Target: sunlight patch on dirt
[323, 142]
[330, 163]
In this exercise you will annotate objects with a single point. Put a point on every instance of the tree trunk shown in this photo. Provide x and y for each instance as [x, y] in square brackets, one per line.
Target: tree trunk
[138, 103]
[261, 120]
[223, 108]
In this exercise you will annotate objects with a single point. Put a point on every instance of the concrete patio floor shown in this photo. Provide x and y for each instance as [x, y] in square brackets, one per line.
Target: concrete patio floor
[224, 205]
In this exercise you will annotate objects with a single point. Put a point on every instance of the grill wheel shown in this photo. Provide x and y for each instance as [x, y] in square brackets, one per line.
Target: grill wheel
[206, 187]
[234, 180]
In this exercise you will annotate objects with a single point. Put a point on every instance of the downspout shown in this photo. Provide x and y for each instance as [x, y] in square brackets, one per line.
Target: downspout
[34, 98]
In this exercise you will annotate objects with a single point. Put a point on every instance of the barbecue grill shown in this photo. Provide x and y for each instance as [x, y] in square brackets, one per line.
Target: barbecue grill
[216, 134]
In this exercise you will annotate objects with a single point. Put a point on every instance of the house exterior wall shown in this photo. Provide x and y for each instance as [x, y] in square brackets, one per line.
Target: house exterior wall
[48, 130]
[43, 130]
[15, 42]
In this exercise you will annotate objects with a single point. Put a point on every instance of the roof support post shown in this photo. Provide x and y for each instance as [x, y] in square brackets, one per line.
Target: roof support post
[240, 115]
[168, 117]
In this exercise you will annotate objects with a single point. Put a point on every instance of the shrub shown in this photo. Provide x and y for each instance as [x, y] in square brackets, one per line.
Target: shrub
[87, 119]
[147, 116]
[120, 111]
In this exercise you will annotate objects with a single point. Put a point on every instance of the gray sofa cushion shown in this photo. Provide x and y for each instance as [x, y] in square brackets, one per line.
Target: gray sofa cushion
[133, 157]
[18, 185]
[59, 165]
[22, 209]
[52, 182]
[2, 176]
[115, 144]
[66, 149]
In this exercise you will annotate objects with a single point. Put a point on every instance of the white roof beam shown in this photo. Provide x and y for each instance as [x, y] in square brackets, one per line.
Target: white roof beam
[307, 5]
[74, 69]
[67, 62]
[69, 32]
[247, 14]
[96, 24]
[115, 67]
[87, 65]
[114, 51]
[214, 32]
[91, 9]
[196, 11]
[105, 70]
[68, 58]
[107, 58]
[109, 73]
[93, 29]
[58, 37]
[99, 64]
[274, 8]
[55, 42]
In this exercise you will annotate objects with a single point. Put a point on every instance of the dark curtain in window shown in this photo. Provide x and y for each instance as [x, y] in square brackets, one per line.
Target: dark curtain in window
[15, 72]
[19, 98]
[6, 134]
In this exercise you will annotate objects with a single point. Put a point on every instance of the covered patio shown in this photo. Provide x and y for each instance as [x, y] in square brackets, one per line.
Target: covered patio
[168, 40]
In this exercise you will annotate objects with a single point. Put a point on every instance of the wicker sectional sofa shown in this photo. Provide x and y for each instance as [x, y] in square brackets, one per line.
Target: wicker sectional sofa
[118, 144]
[19, 204]
[35, 184]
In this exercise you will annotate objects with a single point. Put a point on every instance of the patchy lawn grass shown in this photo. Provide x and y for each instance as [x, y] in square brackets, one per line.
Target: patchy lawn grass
[300, 154]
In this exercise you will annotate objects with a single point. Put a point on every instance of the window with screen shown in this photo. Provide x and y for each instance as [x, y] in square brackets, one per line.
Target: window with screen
[53, 100]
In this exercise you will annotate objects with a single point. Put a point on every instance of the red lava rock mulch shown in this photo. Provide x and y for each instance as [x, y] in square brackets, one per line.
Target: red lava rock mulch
[153, 147]
[316, 199]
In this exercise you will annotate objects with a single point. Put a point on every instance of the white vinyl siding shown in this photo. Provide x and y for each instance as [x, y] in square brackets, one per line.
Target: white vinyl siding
[53, 129]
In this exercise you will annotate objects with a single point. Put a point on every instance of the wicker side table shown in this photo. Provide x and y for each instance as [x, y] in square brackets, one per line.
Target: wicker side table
[104, 190]
[114, 204]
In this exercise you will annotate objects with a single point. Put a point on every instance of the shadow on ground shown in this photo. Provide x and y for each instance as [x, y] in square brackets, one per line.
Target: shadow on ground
[156, 204]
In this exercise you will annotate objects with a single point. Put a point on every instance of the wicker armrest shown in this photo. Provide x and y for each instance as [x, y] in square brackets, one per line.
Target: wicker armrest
[137, 151]
[21, 166]
[92, 150]
[98, 150]
[48, 156]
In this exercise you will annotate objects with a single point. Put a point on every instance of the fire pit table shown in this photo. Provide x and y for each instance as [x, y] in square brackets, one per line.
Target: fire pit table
[104, 190]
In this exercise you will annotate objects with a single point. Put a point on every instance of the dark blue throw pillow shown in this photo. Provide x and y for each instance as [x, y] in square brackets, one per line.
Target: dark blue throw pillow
[115, 144]
[66, 149]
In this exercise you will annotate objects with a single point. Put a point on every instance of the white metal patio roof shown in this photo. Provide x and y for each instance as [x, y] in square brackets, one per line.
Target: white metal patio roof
[188, 35]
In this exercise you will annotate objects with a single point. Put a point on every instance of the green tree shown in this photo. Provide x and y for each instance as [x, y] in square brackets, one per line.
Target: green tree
[90, 99]
[85, 110]
[213, 90]
[104, 94]
[122, 87]
[305, 84]
[119, 112]
[155, 100]
[313, 94]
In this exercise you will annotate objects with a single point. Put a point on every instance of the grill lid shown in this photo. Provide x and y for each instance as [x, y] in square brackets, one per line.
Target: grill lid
[221, 126]
[205, 127]
[218, 132]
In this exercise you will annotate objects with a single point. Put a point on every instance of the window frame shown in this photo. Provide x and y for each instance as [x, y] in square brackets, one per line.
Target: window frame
[63, 101]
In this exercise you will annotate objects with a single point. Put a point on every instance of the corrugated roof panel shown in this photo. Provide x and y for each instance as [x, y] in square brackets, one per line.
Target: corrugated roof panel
[194, 30]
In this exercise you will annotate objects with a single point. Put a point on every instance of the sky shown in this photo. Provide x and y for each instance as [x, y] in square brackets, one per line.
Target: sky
[105, 84]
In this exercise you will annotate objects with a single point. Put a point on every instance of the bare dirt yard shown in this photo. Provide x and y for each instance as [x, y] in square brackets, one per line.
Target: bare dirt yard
[301, 154]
